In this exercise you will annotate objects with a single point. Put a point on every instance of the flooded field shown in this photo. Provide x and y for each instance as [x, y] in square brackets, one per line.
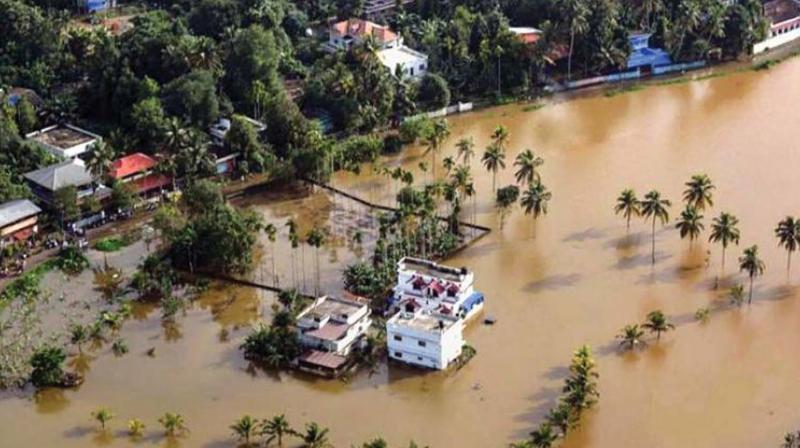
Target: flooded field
[571, 278]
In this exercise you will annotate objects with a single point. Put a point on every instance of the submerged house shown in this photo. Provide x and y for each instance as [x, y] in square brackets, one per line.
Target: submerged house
[329, 330]
[643, 56]
[429, 307]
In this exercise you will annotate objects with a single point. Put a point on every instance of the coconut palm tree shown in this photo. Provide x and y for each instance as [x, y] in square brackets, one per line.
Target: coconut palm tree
[433, 141]
[561, 417]
[466, 150]
[655, 208]
[699, 192]
[494, 159]
[271, 231]
[630, 336]
[244, 428]
[690, 223]
[100, 159]
[276, 428]
[527, 164]
[102, 416]
[657, 323]
[315, 239]
[315, 436]
[174, 424]
[628, 205]
[78, 335]
[448, 163]
[754, 266]
[535, 198]
[788, 234]
[500, 136]
[544, 436]
[724, 230]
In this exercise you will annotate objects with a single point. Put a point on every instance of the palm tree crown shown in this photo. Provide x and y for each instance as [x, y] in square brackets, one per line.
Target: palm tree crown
[630, 336]
[698, 192]
[657, 323]
[535, 199]
[466, 149]
[527, 163]
[690, 223]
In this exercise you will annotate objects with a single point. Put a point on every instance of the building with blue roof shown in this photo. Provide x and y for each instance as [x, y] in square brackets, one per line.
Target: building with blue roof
[643, 56]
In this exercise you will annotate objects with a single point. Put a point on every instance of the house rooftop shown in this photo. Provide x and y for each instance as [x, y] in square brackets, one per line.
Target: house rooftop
[432, 269]
[71, 173]
[423, 321]
[334, 307]
[62, 137]
[359, 28]
[131, 164]
[777, 11]
[527, 34]
[13, 211]
[322, 359]
[400, 55]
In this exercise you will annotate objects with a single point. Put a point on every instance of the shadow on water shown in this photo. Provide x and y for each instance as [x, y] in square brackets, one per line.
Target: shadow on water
[552, 283]
[51, 400]
[585, 235]
[629, 262]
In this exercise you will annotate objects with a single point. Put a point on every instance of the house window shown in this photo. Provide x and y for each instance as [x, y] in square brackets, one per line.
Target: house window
[398, 354]
[421, 343]
[398, 337]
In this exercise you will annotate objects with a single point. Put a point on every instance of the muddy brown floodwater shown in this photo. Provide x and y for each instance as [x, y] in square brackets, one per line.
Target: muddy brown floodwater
[571, 278]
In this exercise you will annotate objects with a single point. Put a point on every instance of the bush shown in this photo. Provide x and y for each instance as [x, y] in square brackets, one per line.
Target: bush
[433, 92]
[46, 363]
[415, 128]
[275, 346]
[109, 244]
[361, 148]
[392, 144]
[72, 261]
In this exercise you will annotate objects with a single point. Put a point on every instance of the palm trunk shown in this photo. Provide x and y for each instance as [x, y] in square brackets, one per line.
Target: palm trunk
[789, 265]
[654, 240]
[750, 299]
[569, 60]
[274, 277]
[628, 225]
[723, 261]
[494, 181]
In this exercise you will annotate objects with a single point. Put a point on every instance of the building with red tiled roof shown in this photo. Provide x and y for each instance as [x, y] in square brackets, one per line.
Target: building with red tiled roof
[138, 169]
[346, 33]
[131, 165]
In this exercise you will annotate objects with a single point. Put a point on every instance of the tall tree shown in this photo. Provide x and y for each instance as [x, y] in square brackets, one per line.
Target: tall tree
[433, 141]
[655, 208]
[750, 263]
[276, 428]
[244, 428]
[724, 230]
[535, 199]
[100, 159]
[628, 205]
[788, 234]
[466, 149]
[494, 159]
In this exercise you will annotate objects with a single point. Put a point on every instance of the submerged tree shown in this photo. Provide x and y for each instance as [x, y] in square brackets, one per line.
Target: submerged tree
[630, 336]
[244, 428]
[657, 323]
[276, 428]
[506, 197]
[174, 424]
[535, 199]
[724, 230]
[102, 416]
[527, 164]
[494, 159]
[655, 208]
[753, 266]
[628, 206]
[788, 234]
[315, 436]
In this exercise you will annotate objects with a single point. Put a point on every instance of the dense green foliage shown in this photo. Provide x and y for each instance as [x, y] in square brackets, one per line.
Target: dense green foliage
[47, 366]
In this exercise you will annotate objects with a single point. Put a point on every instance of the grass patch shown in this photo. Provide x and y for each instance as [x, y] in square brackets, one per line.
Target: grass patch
[766, 65]
[620, 90]
[533, 107]
[109, 244]
[115, 243]
[27, 283]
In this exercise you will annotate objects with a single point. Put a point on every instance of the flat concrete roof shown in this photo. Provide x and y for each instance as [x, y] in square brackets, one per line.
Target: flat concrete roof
[62, 137]
[423, 321]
